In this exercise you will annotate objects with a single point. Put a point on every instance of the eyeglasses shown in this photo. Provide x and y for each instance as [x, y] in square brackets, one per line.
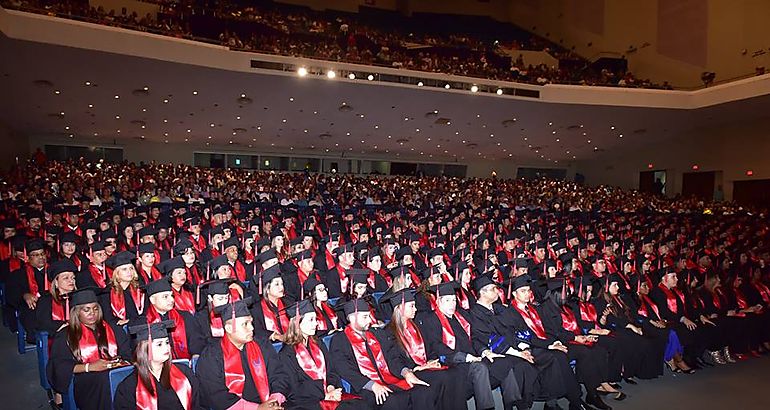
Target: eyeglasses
[321, 289]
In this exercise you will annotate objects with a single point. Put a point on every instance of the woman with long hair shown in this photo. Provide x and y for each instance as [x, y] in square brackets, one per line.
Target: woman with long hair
[174, 269]
[88, 347]
[125, 300]
[326, 316]
[156, 383]
[126, 240]
[406, 339]
[719, 310]
[314, 384]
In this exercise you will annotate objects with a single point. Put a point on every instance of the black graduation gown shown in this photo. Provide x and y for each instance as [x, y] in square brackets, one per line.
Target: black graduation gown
[591, 360]
[43, 320]
[195, 338]
[125, 395]
[204, 325]
[334, 284]
[292, 285]
[84, 279]
[608, 342]
[693, 340]
[211, 374]
[486, 324]
[260, 327]
[729, 327]
[418, 397]
[16, 288]
[131, 311]
[92, 390]
[556, 376]
[450, 384]
[306, 393]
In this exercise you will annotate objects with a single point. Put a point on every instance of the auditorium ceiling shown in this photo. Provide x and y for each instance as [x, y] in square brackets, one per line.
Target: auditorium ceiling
[90, 95]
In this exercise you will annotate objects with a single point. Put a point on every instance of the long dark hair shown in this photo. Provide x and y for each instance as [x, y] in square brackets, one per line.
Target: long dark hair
[142, 364]
[75, 332]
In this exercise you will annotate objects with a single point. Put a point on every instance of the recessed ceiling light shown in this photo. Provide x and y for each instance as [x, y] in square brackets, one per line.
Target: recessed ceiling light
[447, 86]
[165, 120]
[66, 127]
[146, 88]
[141, 136]
[315, 112]
[550, 124]
[302, 71]
[259, 127]
[352, 76]
[166, 141]
[291, 99]
[90, 106]
[417, 130]
[620, 136]
[305, 131]
[553, 132]
[117, 117]
[195, 93]
[212, 125]
[589, 141]
[118, 131]
[144, 109]
[557, 139]
[420, 84]
[474, 88]
[370, 77]
[331, 74]
[88, 83]
[362, 141]
[347, 133]
[283, 120]
[612, 127]
[186, 140]
[165, 134]
[237, 117]
[376, 127]
[209, 136]
[499, 91]
[243, 95]
[189, 130]
[231, 141]
[57, 92]
[165, 101]
[96, 134]
[117, 96]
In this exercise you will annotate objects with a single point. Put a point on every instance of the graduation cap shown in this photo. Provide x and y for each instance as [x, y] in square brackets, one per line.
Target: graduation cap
[98, 246]
[231, 241]
[306, 254]
[399, 297]
[35, 245]
[120, 259]
[217, 286]
[169, 265]
[157, 330]
[157, 286]
[412, 236]
[343, 249]
[300, 308]
[481, 281]
[520, 282]
[68, 237]
[182, 246]
[445, 288]
[357, 275]
[61, 266]
[403, 251]
[267, 276]
[83, 297]
[267, 255]
[147, 231]
[145, 248]
[355, 305]
[435, 252]
[234, 309]
[309, 286]
[218, 262]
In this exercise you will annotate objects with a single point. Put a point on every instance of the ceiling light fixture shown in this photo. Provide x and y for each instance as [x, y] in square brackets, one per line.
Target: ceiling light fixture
[331, 74]
[302, 71]
[474, 88]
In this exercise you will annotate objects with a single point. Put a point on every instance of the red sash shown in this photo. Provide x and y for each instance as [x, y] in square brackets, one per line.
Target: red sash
[740, 298]
[179, 348]
[32, 282]
[312, 360]
[365, 365]
[329, 259]
[240, 271]
[716, 298]
[271, 322]
[532, 318]
[413, 343]
[97, 276]
[58, 311]
[89, 350]
[234, 376]
[646, 301]
[183, 300]
[326, 311]
[671, 297]
[216, 324]
[193, 275]
[569, 322]
[118, 303]
[147, 401]
[154, 274]
[371, 280]
[462, 299]
[763, 290]
[447, 333]
[343, 279]
[198, 244]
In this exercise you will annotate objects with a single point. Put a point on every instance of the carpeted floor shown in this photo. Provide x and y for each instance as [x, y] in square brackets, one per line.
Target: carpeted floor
[744, 386]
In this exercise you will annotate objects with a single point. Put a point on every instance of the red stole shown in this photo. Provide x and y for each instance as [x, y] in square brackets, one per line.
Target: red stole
[312, 360]
[371, 279]
[645, 301]
[716, 298]
[240, 271]
[32, 282]
[671, 297]
[326, 311]
[364, 361]
[179, 348]
[58, 311]
[153, 276]
[329, 259]
[118, 302]
[147, 401]
[415, 278]
[588, 312]
[89, 350]
[183, 300]
[272, 322]
[413, 343]
[532, 318]
[462, 299]
[447, 333]
[343, 279]
[763, 290]
[234, 376]
[569, 322]
[97, 275]
[199, 244]
[740, 298]
[193, 274]
[216, 324]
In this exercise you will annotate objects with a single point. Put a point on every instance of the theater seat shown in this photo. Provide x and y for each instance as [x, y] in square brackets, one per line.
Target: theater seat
[277, 346]
[117, 376]
[194, 363]
[68, 399]
[327, 340]
[333, 301]
[377, 296]
[42, 359]
[21, 337]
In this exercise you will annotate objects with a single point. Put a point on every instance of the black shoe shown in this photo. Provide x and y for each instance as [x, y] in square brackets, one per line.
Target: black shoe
[596, 401]
[616, 386]
[629, 380]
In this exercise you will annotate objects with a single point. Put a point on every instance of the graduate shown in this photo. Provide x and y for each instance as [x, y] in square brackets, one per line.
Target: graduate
[87, 348]
[186, 338]
[406, 340]
[295, 280]
[52, 312]
[174, 270]
[238, 372]
[216, 292]
[156, 382]
[326, 316]
[96, 273]
[383, 381]
[125, 299]
[27, 283]
[270, 318]
[314, 383]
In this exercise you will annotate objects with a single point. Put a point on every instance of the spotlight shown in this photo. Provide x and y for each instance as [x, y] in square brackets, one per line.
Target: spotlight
[331, 74]
[302, 71]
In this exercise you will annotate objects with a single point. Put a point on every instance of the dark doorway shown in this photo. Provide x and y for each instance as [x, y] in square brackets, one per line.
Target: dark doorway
[402, 168]
[699, 184]
[653, 182]
[752, 192]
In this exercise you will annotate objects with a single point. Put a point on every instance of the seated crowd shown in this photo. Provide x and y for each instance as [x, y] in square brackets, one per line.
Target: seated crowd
[314, 291]
[295, 31]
